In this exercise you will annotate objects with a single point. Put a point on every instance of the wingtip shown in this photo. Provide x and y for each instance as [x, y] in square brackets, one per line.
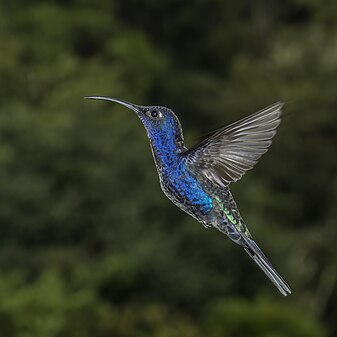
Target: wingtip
[280, 104]
[276, 106]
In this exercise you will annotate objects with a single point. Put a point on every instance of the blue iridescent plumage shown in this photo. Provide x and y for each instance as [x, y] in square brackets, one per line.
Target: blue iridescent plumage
[197, 180]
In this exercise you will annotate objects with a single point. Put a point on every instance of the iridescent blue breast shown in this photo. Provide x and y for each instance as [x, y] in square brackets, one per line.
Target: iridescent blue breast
[185, 191]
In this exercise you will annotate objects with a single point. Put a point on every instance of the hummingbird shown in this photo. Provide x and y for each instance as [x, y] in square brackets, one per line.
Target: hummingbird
[197, 180]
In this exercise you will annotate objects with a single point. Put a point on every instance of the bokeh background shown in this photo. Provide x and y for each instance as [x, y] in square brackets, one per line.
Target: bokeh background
[89, 245]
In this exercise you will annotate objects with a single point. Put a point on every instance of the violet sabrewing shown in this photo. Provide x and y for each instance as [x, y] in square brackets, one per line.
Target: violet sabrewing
[197, 180]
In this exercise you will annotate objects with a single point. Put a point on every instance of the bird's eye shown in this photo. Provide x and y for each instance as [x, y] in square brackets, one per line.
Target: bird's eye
[154, 114]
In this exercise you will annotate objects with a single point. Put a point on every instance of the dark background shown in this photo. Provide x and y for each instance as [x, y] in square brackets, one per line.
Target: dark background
[89, 245]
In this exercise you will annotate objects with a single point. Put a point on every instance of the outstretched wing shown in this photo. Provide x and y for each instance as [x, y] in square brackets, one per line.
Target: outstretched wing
[225, 156]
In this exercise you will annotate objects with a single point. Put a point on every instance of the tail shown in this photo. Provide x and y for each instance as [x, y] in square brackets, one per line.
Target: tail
[257, 255]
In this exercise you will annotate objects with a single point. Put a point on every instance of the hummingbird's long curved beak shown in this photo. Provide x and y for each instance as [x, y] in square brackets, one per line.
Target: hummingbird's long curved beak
[134, 107]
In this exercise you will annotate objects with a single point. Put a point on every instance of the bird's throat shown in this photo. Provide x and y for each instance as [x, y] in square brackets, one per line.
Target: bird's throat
[166, 151]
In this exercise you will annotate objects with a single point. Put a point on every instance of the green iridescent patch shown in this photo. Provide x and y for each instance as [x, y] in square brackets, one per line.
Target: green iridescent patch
[241, 227]
[230, 216]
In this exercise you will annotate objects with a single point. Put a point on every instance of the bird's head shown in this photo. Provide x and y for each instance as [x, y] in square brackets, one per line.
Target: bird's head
[161, 124]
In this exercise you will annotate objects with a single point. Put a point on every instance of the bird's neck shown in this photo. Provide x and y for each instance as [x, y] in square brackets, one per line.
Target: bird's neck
[166, 149]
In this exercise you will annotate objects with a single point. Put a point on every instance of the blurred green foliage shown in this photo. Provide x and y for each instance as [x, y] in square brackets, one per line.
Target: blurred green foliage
[89, 245]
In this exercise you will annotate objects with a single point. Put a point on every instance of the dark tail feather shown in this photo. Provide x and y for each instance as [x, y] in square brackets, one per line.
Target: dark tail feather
[257, 255]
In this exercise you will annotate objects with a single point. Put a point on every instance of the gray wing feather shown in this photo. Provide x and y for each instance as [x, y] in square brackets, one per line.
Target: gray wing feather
[225, 156]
